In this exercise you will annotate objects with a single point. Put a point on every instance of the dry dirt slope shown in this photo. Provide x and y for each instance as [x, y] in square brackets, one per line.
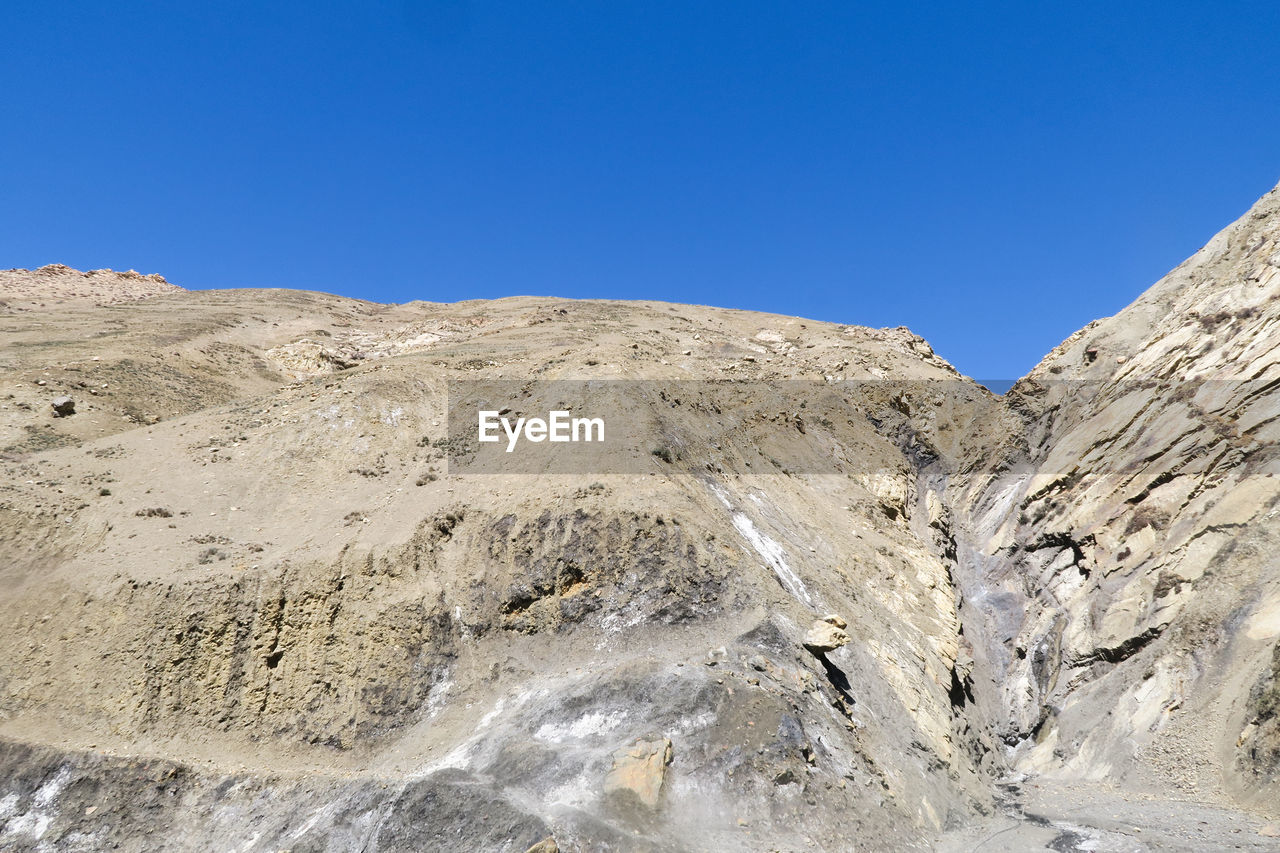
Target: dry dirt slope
[289, 583]
[254, 609]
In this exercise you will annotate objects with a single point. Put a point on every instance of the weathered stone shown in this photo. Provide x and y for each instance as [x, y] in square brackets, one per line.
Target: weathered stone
[639, 771]
[546, 845]
[823, 637]
[63, 407]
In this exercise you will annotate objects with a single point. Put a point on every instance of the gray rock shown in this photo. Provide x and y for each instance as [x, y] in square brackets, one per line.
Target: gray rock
[63, 407]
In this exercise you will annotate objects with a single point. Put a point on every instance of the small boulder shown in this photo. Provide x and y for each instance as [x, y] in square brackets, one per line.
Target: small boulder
[639, 771]
[825, 636]
[63, 407]
[546, 845]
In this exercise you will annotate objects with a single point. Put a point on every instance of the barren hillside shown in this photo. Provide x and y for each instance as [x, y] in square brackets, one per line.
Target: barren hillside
[833, 595]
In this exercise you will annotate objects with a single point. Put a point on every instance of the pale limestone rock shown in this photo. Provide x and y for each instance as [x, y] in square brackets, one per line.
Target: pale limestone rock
[639, 771]
[824, 636]
[546, 845]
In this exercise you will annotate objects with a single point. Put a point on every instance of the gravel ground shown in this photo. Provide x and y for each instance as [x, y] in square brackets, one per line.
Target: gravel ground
[1064, 817]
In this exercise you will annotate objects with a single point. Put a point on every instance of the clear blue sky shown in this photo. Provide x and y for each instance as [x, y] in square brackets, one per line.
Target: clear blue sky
[993, 175]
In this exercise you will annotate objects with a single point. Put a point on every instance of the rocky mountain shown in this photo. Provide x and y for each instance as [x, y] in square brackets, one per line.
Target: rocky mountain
[1120, 547]
[832, 595]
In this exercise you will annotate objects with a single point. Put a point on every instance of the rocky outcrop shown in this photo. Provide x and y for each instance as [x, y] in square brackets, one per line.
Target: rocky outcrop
[1259, 743]
[1121, 540]
[27, 290]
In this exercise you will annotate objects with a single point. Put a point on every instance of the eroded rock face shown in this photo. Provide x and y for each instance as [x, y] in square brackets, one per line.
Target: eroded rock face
[247, 590]
[264, 578]
[1259, 742]
[1123, 543]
